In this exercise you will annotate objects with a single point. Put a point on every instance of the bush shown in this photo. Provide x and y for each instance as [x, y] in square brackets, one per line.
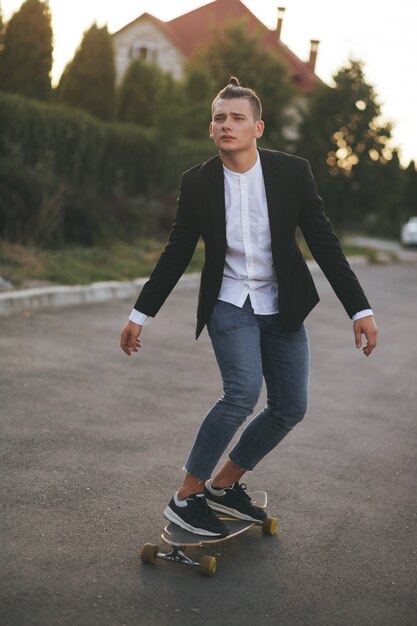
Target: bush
[65, 177]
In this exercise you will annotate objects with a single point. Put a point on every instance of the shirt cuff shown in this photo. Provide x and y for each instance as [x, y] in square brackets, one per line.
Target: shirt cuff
[361, 314]
[138, 318]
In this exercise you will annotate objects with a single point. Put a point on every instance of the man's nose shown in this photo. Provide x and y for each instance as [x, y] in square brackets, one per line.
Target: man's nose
[227, 122]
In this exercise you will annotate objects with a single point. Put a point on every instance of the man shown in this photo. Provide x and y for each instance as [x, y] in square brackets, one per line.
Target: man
[255, 292]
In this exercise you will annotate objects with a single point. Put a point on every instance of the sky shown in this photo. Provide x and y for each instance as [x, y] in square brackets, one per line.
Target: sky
[379, 32]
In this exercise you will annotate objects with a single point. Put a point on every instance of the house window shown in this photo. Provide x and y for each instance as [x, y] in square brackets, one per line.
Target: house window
[145, 50]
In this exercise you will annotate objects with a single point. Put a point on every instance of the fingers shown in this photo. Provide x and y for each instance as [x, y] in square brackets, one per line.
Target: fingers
[135, 347]
[125, 340]
[129, 338]
[366, 326]
[370, 343]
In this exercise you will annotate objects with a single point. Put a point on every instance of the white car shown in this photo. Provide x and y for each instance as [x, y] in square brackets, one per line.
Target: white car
[409, 232]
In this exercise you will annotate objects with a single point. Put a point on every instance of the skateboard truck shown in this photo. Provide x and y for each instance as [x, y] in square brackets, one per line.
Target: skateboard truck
[150, 552]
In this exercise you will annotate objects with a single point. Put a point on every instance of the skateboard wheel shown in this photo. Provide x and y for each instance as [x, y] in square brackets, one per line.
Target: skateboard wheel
[208, 565]
[270, 526]
[148, 553]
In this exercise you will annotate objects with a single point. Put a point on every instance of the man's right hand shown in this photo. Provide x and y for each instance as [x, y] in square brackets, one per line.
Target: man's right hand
[129, 339]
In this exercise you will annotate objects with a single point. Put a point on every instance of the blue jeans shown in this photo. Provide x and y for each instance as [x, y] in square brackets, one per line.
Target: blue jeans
[248, 348]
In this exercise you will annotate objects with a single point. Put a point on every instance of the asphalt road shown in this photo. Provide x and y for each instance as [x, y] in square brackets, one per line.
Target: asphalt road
[93, 444]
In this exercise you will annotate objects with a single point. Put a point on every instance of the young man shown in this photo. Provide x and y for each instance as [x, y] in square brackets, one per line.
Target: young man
[255, 292]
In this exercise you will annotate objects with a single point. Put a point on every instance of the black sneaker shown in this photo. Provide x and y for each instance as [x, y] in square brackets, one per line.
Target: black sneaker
[234, 501]
[194, 515]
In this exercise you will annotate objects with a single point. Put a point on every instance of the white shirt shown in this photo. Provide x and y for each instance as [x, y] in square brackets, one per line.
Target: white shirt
[248, 268]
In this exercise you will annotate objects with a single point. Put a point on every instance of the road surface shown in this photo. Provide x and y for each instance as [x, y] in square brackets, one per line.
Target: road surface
[92, 448]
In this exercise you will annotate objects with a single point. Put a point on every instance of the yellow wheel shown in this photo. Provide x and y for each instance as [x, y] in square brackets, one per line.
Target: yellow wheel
[270, 526]
[208, 565]
[148, 553]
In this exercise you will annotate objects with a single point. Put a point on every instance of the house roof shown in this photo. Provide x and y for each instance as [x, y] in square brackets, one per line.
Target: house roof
[194, 29]
[163, 26]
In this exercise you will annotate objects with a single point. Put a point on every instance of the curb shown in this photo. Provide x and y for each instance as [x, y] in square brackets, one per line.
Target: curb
[44, 298]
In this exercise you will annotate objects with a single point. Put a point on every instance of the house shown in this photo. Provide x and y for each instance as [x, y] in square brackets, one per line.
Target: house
[171, 44]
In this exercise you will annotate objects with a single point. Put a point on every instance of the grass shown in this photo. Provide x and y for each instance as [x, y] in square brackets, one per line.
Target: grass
[26, 266]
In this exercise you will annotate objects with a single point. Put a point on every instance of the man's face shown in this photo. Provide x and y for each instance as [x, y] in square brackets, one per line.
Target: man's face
[233, 127]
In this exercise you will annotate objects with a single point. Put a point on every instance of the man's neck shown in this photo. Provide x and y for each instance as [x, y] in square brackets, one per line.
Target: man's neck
[239, 162]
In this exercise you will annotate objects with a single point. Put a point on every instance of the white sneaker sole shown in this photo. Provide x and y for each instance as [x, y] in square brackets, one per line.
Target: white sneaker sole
[170, 515]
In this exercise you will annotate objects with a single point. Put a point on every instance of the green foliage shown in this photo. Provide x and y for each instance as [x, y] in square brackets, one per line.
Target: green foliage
[348, 145]
[26, 59]
[344, 121]
[88, 81]
[65, 177]
[141, 94]
[77, 265]
[197, 90]
[1, 31]
[410, 191]
[151, 98]
[181, 155]
[234, 51]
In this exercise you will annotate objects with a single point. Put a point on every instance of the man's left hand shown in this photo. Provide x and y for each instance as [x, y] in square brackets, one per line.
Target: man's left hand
[366, 326]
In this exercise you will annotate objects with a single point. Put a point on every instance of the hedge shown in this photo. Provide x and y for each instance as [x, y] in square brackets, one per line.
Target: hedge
[61, 165]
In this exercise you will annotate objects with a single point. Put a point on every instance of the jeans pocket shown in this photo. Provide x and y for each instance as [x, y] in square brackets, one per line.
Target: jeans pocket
[226, 317]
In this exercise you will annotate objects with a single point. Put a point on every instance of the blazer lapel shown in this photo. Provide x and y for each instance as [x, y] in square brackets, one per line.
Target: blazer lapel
[273, 188]
[215, 193]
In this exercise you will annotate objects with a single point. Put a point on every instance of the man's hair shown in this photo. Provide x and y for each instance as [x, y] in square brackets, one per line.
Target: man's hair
[235, 90]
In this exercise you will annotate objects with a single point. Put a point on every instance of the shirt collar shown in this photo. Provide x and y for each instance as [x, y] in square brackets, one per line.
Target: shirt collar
[254, 170]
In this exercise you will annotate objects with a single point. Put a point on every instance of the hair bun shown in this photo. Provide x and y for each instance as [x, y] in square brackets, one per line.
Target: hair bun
[234, 81]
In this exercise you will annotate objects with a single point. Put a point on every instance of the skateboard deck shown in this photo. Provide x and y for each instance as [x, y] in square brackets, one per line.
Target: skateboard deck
[180, 539]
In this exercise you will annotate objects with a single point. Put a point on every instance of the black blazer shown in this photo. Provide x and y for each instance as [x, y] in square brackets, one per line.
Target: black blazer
[293, 201]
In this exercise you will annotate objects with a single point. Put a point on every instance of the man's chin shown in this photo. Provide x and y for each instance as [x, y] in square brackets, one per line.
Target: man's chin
[227, 146]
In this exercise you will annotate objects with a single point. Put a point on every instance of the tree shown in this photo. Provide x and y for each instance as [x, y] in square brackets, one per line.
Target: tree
[410, 190]
[1, 30]
[150, 97]
[88, 81]
[26, 59]
[348, 145]
[234, 51]
[141, 94]
[197, 92]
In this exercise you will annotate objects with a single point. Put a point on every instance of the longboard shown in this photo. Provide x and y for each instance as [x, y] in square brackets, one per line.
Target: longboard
[180, 539]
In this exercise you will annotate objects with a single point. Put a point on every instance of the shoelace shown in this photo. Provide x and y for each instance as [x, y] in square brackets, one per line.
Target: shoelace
[201, 505]
[241, 488]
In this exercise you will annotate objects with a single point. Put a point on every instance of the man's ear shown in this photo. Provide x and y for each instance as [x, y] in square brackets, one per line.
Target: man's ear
[260, 127]
[211, 130]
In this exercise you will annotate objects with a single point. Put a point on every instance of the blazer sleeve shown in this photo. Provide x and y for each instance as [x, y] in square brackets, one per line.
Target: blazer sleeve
[326, 249]
[174, 259]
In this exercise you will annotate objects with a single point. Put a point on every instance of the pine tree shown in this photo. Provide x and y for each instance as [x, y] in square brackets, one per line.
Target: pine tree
[1, 30]
[88, 81]
[26, 59]
[198, 90]
[410, 190]
[140, 94]
[348, 145]
[150, 97]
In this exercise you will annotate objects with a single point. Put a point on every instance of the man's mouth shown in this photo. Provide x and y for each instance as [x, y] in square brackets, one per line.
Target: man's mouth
[227, 137]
